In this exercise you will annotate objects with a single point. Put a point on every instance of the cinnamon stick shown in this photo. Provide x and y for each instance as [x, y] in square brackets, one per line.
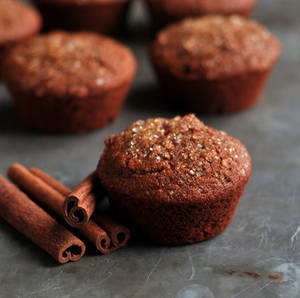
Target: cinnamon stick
[80, 204]
[47, 191]
[37, 188]
[98, 237]
[91, 231]
[32, 221]
[119, 234]
[61, 188]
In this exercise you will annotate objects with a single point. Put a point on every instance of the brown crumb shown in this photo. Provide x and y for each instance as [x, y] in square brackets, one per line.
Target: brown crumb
[276, 276]
[252, 274]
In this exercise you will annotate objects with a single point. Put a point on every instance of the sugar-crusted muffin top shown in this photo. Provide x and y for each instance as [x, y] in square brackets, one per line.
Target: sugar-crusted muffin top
[69, 63]
[171, 155]
[215, 46]
[17, 20]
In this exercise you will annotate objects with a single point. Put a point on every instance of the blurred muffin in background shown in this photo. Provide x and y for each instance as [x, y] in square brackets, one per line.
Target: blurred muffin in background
[101, 16]
[70, 83]
[18, 22]
[169, 11]
[214, 63]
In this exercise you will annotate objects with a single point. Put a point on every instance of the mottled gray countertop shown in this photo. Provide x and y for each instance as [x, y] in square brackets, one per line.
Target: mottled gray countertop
[257, 256]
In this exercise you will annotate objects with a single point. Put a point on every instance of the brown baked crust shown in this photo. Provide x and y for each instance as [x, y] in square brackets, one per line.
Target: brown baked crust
[215, 47]
[162, 165]
[170, 11]
[63, 64]
[70, 82]
[18, 21]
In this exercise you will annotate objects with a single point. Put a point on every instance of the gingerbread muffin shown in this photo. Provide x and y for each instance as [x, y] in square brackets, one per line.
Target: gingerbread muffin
[18, 22]
[64, 82]
[101, 16]
[214, 63]
[169, 11]
[177, 180]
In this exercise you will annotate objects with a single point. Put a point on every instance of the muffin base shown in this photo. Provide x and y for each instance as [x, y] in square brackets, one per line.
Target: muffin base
[99, 17]
[161, 18]
[69, 114]
[177, 223]
[226, 95]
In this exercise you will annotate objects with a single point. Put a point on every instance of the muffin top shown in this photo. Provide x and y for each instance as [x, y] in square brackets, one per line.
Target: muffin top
[77, 64]
[215, 47]
[178, 158]
[17, 21]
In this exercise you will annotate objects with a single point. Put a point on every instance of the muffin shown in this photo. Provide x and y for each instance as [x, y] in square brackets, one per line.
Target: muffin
[101, 16]
[176, 180]
[169, 11]
[214, 63]
[18, 22]
[70, 83]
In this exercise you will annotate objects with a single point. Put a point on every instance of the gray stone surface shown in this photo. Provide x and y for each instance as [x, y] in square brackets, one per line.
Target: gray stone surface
[264, 237]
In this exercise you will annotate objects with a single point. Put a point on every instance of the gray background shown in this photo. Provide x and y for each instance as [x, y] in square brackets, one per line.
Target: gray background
[263, 238]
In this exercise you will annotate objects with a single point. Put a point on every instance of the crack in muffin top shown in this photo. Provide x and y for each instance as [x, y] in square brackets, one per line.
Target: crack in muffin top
[70, 63]
[215, 46]
[17, 20]
[174, 153]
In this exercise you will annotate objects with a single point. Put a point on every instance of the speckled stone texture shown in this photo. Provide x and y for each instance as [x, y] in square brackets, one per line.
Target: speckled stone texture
[178, 181]
[71, 82]
[92, 15]
[214, 64]
[169, 11]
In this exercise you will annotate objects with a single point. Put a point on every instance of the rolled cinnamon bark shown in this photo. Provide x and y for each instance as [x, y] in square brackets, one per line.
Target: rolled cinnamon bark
[61, 188]
[98, 237]
[119, 234]
[91, 231]
[37, 225]
[37, 188]
[81, 203]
